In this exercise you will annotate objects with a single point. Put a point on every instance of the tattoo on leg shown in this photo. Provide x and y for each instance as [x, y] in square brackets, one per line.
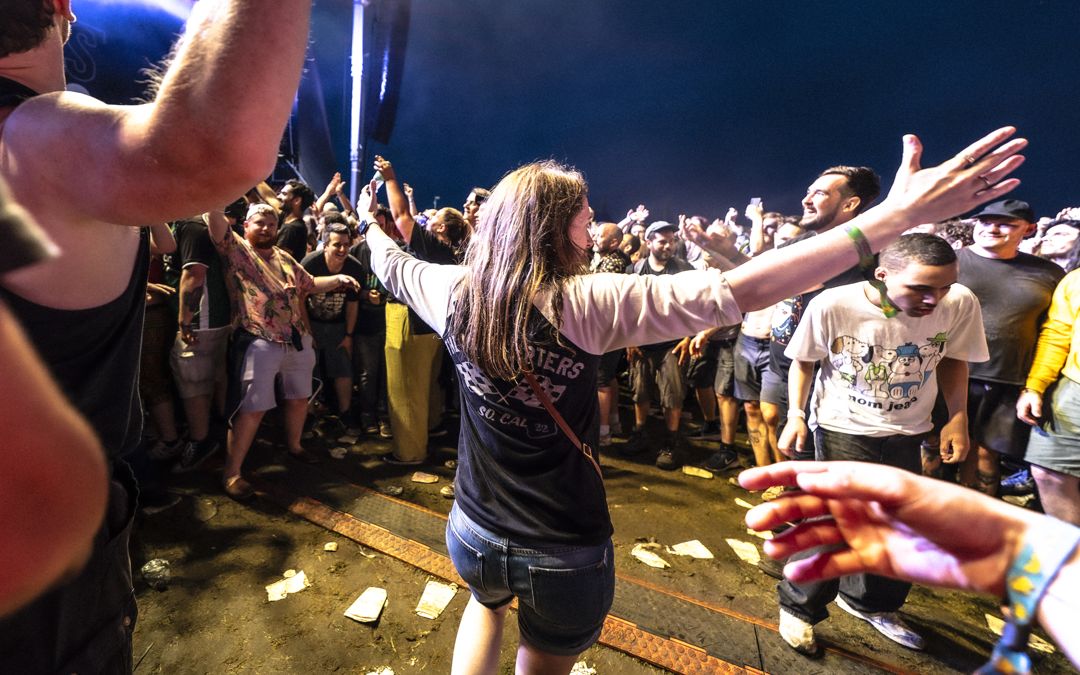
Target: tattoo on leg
[988, 483]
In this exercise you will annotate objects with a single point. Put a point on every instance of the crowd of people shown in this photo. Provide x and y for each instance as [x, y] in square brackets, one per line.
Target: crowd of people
[947, 351]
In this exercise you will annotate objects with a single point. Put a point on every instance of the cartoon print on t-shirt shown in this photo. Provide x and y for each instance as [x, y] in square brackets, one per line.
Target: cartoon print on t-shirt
[876, 373]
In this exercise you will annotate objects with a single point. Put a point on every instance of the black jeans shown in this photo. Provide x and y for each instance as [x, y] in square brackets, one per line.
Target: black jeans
[864, 592]
[370, 363]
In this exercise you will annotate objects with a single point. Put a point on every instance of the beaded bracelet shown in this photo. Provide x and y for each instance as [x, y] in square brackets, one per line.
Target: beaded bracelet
[866, 262]
[1045, 550]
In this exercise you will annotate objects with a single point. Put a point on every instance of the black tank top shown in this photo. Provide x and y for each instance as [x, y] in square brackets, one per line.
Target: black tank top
[92, 353]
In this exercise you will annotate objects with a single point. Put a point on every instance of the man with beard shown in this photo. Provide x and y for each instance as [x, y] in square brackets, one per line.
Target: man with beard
[296, 198]
[333, 316]
[836, 196]
[657, 363]
[270, 335]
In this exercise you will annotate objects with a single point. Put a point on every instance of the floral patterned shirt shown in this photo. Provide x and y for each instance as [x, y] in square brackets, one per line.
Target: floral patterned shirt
[267, 296]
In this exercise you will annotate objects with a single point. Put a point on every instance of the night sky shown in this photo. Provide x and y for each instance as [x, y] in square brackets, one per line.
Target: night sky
[686, 106]
[695, 106]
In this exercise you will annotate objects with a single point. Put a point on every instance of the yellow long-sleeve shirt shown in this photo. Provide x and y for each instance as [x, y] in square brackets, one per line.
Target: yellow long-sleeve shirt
[1058, 350]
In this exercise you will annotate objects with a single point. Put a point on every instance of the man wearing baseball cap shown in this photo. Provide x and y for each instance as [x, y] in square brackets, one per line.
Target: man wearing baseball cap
[657, 363]
[1014, 289]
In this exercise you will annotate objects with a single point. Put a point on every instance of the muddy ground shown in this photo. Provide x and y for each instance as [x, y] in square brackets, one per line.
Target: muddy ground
[214, 616]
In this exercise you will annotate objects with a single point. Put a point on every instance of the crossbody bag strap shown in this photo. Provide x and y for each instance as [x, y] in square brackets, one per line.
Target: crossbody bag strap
[545, 400]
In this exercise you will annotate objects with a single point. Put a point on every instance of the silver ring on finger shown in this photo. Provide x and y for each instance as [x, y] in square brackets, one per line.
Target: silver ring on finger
[969, 160]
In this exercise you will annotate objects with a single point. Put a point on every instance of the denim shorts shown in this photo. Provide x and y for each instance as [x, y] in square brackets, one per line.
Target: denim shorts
[564, 592]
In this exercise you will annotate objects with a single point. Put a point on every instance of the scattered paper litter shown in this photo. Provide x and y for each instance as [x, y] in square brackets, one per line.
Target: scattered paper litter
[296, 583]
[330, 546]
[385, 670]
[435, 599]
[772, 493]
[582, 668]
[642, 553]
[697, 472]
[276, 591]
[392, 490]
[348, 439]
[338, 452]
[739, 501]
[746, 551]
[421, 477]
[733, 481]
[692, 548]
[292, 582]
[450, 464]
[645, 488]
[996, 625]
[767, 534]
[368, 606]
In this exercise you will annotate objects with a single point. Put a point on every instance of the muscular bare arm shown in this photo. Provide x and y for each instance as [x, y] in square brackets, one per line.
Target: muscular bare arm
[209, 135]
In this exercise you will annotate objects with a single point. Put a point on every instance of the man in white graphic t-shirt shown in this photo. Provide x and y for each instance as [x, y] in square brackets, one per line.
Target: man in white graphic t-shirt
[874, 392]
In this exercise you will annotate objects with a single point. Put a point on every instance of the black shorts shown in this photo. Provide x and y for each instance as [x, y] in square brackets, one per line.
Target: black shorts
[992, 418]
[609, 367]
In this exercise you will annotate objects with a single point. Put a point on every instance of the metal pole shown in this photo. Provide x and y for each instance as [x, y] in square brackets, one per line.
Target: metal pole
[357, 125]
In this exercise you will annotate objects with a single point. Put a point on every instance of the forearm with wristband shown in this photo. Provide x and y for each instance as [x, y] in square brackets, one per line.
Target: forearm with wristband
[1045, 550]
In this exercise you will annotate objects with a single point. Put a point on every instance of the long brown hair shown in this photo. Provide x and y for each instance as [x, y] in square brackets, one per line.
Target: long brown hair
[521, 247]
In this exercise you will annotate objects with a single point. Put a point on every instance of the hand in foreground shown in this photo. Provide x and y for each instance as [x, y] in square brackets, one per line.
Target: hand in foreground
[975, 175]
[889, 522]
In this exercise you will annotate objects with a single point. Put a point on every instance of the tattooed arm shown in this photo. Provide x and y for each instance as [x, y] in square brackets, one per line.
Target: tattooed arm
[192, 286]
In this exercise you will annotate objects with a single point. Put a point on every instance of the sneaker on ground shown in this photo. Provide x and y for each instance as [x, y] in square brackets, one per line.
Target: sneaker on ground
[194, 455]
[389, 458]
[721, 460]
[797, 633]
[772, 567]
[635, 444]
[1019, 483]
[667, 459]
[384, 430]
[888, 624]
